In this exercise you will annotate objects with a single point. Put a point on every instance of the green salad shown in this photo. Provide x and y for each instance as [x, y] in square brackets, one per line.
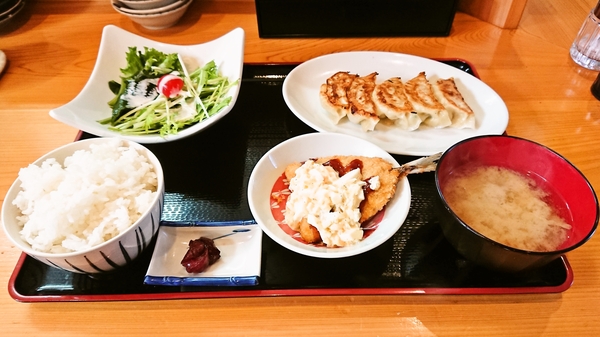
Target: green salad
[158, 95]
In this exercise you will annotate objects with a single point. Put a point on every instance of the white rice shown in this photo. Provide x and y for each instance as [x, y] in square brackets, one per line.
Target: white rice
[96, 195]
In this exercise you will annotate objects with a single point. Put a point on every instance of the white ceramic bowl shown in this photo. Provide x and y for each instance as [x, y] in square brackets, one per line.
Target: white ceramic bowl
[112, 254]
[90, 105]
[117, 5]
[146, 4]
[160, 20]
[271, 166]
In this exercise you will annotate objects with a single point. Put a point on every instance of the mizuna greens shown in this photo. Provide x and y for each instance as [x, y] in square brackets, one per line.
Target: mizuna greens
[139, 108]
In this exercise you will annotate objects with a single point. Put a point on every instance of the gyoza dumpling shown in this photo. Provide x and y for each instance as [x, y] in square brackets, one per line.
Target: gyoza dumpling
[420, 94]
[447, 93]
[333, 95]
[362, 107]
[391, 101]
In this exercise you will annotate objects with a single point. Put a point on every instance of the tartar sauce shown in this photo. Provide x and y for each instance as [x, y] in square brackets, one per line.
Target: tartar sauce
[328, 202]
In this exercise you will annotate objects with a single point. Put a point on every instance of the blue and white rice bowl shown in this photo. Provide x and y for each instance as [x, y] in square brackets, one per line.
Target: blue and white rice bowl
[109, 255]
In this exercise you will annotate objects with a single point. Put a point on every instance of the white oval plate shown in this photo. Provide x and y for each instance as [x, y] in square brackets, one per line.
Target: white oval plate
[271, 166]
[301, 94]
[91, 104]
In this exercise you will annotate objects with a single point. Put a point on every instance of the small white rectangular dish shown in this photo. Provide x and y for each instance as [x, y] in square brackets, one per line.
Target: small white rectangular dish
[240, 243]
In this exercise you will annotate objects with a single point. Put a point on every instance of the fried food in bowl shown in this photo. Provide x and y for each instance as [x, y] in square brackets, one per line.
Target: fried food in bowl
[268, 183]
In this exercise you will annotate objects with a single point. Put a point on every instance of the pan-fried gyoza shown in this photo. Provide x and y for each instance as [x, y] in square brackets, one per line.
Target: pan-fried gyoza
[407, 105]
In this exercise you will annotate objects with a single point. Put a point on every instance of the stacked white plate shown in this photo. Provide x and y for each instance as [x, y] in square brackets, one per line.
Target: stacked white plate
[152, 14]
[9, 8]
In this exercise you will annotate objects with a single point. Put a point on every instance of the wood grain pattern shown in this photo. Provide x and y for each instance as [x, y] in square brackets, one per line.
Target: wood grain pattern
[51, 48]
[502, 13]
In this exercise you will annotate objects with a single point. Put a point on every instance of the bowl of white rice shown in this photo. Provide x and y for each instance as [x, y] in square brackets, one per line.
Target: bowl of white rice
[88, 207]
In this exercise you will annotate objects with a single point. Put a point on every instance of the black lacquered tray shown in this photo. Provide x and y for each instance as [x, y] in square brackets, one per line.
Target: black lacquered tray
[206, 178]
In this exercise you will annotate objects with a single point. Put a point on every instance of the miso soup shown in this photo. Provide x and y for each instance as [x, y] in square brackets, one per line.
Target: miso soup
[507, 207]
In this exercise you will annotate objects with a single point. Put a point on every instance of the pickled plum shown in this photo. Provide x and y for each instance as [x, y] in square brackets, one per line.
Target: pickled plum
[201, 254]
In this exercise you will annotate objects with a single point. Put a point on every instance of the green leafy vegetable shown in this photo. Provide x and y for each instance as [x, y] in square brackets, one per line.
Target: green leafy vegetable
[139, 109]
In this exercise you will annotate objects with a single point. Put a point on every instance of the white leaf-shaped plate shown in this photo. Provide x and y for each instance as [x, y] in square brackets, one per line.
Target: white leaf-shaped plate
[91, 104]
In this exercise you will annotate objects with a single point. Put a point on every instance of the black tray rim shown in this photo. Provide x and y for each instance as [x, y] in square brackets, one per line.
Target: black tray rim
[233, 293]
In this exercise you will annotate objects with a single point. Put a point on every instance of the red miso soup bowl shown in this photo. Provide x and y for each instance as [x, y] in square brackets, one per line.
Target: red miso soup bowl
[463, 178]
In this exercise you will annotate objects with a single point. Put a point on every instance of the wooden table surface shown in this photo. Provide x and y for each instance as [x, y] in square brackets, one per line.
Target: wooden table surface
[51, 48]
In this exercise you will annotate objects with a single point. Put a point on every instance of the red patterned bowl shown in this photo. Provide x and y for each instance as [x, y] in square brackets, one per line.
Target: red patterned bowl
[568, 192]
